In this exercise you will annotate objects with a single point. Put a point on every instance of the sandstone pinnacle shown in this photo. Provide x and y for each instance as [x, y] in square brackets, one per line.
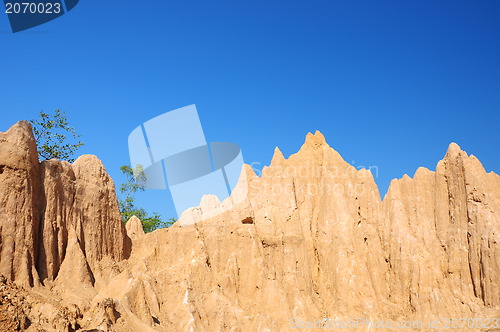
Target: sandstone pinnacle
[308, 239]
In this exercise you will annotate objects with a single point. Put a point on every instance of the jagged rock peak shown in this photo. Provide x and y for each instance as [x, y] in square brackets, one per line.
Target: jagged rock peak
[278, 157]
[22, 126]
[313, 236]
[454, 150]
[315, 140]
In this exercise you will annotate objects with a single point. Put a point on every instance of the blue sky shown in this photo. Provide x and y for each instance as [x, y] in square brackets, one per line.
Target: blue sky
[389, 83]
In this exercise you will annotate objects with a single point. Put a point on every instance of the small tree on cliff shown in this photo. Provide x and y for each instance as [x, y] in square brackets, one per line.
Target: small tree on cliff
[55, 138]
[136, 180]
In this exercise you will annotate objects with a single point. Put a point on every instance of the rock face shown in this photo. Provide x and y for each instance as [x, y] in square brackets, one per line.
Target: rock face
[45, 204]
[20, 204]
[310, 239]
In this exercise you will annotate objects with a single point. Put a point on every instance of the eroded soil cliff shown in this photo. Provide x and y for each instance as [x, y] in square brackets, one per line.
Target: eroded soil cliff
[309, 239]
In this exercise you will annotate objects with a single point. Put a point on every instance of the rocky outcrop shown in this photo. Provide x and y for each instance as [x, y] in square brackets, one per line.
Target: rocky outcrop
[309, 239]
[443, 231]
[313, 239]
[134, 228]
[51, 207]
[20, 204]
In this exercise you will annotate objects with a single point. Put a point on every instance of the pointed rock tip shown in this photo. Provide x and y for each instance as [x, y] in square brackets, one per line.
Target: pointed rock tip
[134, 219]
[277, 156]
[18, 146]
[87, 159]
[421, 171]
[316, 139]
[23, 127]
[23, 124]
[90, 167]
[134, 227]
[248, 170]
[209, 202]
[453, 148]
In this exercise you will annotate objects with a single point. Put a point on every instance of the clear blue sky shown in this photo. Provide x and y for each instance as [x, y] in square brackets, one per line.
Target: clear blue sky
[389, 83]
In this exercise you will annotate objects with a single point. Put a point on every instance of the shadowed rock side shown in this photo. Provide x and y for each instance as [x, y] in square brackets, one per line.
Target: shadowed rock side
[310, 239]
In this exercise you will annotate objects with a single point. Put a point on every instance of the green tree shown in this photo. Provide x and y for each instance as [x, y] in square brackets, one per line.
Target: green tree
[136, 180]
[55, 138]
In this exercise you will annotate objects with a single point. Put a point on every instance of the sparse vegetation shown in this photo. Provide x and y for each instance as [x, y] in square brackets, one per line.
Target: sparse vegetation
[55, 138]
